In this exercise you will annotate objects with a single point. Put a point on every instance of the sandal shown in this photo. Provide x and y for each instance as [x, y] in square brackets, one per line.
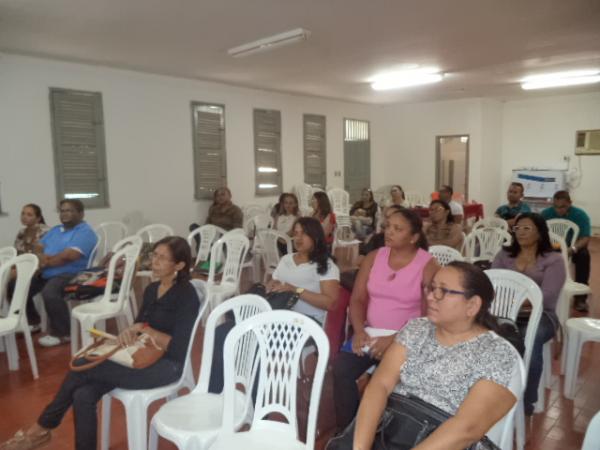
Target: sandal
[23, 441]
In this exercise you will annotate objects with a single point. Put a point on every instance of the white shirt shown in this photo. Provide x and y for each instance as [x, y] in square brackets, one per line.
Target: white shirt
[456, 208]
[305, 276]
[285, 223]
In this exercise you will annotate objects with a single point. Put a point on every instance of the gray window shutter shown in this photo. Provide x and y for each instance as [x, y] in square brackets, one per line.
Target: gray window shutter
[210, 164]
[315, 157]
[267, 151]
[79, 149]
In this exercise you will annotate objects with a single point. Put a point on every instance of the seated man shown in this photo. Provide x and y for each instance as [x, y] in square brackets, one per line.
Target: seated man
[455, 207]
[515, 206]
[562, 208]
[66, 250]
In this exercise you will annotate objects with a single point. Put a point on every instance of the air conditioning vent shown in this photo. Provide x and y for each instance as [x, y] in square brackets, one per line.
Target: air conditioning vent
[587, 142]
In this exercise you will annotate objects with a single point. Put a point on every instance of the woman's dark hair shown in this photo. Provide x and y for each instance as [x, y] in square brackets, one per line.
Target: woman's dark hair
[222, 188]
[400, 189]
[371, 198]
[544, 244]
[319, 254]
[282, 197]
[323, 204]
[476, 282]
[446, 206]
[37, 211]
[180, 252]
[416, 225]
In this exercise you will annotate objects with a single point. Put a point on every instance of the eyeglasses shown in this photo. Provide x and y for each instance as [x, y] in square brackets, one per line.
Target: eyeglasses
[439, 293]
[438, 209]
[160, 258]
[523, 228]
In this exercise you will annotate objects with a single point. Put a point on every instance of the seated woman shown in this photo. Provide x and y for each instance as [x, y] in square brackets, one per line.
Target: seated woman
[363, 214]
[34, 227]
[323, 212]
[169, 309]
[442, 230]
[397, 197]
[451, 359]
[286, 213]
[531, 254]
[387, 293]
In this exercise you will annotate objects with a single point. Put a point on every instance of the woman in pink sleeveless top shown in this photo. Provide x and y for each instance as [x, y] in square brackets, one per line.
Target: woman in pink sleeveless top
[387, 293]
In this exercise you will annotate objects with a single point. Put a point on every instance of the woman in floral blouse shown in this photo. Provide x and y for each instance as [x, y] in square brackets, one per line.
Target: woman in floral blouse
[34, 227]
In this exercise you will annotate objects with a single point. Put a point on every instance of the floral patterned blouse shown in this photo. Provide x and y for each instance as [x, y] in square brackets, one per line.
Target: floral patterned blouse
[25, 241]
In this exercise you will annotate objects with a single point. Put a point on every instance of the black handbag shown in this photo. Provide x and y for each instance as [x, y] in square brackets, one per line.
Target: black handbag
[406, 421]
[277, 300]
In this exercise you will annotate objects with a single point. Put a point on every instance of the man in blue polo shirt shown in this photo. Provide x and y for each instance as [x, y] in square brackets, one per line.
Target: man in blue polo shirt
[562, 208]
[515, 206]
[66, 251]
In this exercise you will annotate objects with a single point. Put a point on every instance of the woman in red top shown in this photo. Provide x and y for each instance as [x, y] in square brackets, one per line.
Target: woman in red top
[323, 213]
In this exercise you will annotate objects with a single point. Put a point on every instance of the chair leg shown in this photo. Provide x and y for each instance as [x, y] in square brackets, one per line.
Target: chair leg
[572, 363]
[135, 416]
[520, 425]
[38, 302]
[74, 336]
[12, 352]
[105, 426]
[547, 379]
[30, 351]
[153, 442]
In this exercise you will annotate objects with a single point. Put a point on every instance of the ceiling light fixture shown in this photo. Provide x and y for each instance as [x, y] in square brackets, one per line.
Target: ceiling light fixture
[406, 78]
[269, 43]
[561, 79]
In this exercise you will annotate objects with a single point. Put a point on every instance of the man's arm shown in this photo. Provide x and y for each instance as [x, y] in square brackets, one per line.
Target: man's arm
[60, 259]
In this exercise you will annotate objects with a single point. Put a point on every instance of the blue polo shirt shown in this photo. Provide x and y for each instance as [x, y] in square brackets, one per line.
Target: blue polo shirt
[81, 238]
[507, 212]
[576, 215]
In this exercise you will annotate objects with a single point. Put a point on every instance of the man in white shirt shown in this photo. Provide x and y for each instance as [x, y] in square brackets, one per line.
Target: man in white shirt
[455, 207]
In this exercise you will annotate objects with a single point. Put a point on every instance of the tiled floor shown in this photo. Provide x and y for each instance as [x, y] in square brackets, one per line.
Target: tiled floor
[560, 427]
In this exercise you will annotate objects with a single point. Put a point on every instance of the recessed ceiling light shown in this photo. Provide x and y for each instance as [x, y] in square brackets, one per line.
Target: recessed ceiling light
[406, 78]
[561, 79]
[270, 43]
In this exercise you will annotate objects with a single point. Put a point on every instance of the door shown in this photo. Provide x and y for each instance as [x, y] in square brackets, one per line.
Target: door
[357, 157]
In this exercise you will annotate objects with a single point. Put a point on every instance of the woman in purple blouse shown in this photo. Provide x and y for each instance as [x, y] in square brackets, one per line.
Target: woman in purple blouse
[531, 254]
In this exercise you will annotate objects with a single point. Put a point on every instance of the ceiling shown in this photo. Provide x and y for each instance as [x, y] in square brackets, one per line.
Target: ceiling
[484, 46]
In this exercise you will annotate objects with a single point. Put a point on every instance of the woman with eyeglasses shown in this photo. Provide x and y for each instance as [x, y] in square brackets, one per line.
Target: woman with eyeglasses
[387, 293]
[363, 214]
[451, 359]
[442, 230]
[168, 314]
[531, 254]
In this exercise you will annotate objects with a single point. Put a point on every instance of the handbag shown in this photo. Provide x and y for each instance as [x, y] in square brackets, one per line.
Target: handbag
[142, 353]
[277, 300]
[406, 422]
[90, 283]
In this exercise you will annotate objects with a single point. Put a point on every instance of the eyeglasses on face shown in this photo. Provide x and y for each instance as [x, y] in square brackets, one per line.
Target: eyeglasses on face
[440, 293]
[522, 228]
[160, 258]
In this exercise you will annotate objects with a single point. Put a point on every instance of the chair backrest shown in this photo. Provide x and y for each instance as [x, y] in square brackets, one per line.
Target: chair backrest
[485, 243]
[416, 199]
[591, 441]
[249, 211]
[25, 265]
[256, 223]
[237, 246]
[303, 193]
[155, 232]
[129, 240]
[564, 228]
[444, 254]
[491, 222]
[281, 337]
[7, 253]
[559, 242]
[92, 259]
[340, 201]
[512, 290]
[200, 287]
[108, 234]
[129, 254]
[267, 240]
[208, 235]
[242, 307]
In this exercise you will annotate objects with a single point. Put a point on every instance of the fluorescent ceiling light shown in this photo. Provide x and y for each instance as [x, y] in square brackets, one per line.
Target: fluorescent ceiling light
[266, 186]
[82, 195]
[269, 43]
[560, 79]
[267, 169]
[406, 78]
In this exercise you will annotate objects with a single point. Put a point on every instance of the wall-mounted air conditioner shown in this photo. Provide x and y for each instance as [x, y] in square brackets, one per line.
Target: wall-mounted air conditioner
[587, 142]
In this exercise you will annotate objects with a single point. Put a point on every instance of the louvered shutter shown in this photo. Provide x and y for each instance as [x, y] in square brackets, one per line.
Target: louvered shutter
[267, 151]
[315, 161]
[79, 149]
[210, 165]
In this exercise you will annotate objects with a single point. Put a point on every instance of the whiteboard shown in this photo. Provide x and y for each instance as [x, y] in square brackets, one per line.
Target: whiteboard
[540, 183]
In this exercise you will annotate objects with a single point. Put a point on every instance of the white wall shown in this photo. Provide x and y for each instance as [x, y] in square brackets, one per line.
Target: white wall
[540, 132]
[148, 140]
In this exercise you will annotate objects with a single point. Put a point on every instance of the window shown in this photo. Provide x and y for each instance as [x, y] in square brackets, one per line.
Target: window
[315, 162]
[79, 150]
[357, 157]
[267, 151]
[210, 165]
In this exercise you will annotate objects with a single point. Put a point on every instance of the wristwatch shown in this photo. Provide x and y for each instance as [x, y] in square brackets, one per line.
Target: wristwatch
[299, 290]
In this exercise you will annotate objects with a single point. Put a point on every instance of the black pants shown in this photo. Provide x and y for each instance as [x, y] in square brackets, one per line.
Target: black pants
[347, 368]
[52, 290]
[84, 389]
[581, 259]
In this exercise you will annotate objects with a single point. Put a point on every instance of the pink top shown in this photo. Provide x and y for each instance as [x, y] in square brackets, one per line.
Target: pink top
[395, 296]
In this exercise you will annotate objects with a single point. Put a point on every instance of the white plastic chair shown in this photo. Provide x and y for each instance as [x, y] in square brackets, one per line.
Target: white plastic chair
[108, 306]
[415, 199]
[562, 227]
[93, 254]
[253, 226]
[491, 222]
[236, 245]
[340, 201]
[268, 241]
[16, 319]
[281, 337]
[444, 254]
[512, 290]
[153, 233]
[303, 193]
[208, 235]
[7, 253]
[250, 211]
[108, 233]
[484, 243]
[348, 246]
[136, 401]
[579, 331]
[193, 421]
[591, 441]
